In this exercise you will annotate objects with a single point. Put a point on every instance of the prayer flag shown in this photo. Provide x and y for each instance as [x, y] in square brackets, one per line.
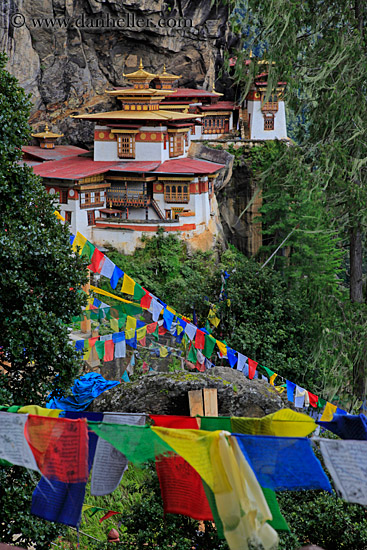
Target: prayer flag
[108, 268]
[88, 250]
[116, 275]
[347, 464]
[79, 241]
[313, 399]
[212, 316]
[290, 390]
[168, 317]
[329, 412]
[60, 447]
[98, 259]
[199, 339]
[241, 361]
[139, 292]
[232, 357]
[99, 345]
[109, 347]
[284, 463]
[190, 330]
[209, 345]
[146, 300]
[252, 368]
[222, 348]
[128, 285]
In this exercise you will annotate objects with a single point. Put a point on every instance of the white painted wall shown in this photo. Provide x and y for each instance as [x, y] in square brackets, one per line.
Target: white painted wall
[257, 122]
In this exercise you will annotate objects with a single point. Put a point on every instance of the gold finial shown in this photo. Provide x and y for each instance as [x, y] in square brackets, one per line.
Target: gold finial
[47, 128]
[164, 68]
[141, 64]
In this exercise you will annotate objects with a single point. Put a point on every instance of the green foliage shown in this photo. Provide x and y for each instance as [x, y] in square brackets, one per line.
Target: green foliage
[165, 268]
[38, 296]
[322, 519]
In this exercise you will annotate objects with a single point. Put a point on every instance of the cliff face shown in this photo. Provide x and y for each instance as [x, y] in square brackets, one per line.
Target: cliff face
[67, 52]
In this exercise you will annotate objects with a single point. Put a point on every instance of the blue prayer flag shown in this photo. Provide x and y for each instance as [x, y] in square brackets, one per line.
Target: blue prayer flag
[116, 275]
[232, 357]
[290, 390]
[168, 317]
[125, 377]
[72, 237]
[283, 463]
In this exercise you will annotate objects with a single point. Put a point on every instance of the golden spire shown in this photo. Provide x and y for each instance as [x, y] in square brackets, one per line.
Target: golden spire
[141, 64]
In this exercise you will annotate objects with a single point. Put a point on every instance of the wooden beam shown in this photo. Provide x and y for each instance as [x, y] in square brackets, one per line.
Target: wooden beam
[210, 401]
[196, 403]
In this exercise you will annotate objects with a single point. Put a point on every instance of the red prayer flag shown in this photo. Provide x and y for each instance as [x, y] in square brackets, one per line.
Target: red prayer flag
[313, 399]
[189, 364]
[162, 330]
[97, 261]
[143, 341]
[251, 368]
[109, 514]
[145, 367]
[146, 300]
[109, 347]
[200, 366]
[92, 341]
[151, 328]
[175, 421]
[60, 447]
[200, 339]
[181, 486]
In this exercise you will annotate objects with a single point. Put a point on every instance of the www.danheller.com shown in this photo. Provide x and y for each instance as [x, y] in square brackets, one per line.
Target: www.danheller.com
[128, 21]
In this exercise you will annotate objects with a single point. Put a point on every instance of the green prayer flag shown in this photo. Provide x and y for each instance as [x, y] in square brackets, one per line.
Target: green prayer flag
[100, 349]
[278, 522]
[269, 372]
[192, 354]
[208, 346]
[88, 250]
[132, 309]
[321, 403]
[138, 443]
[213, 423]
[138, 292]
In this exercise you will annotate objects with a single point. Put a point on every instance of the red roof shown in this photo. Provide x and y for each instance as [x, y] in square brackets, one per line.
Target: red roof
[220, 106]
[190, 92]
[136, 166]
[72, 168]
[188, 166]
[58, 153]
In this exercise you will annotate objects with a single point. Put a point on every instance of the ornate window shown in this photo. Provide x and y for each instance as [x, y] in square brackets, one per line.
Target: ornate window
[68, 217]
[176, 192]
[214, 125]
[176, 144]
[91, 217]
[271, 104]
[95, 198]
[64, 196]
[126, 146]
[268, 122]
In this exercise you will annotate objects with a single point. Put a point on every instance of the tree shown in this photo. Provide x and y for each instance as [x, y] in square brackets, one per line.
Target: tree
[39, 295]
[320, 49]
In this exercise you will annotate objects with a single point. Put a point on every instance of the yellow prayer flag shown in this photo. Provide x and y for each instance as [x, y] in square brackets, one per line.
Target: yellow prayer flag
[130, 323]
[129, 334]
[212, 316]
[272, 378]
[168, 308]
[283, 423]
[59, 216]
[163, 351]
[80, 241]
[222, 347]
[329, 412]
[114, 324]
[128, 285]
[179, 329]
[141, 333]
[40, 411]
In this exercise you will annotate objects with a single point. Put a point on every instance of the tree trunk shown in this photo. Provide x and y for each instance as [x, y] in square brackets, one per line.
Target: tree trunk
[355, 255]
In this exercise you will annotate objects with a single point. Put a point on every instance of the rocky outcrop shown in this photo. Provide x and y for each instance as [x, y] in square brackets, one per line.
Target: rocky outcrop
[166, 393]
[67, 52]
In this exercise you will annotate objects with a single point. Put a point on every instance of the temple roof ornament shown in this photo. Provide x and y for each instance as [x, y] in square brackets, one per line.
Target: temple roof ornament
[47, 134]
[140, 78]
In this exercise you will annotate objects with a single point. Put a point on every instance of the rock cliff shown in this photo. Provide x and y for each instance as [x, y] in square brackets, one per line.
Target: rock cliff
[67, 52]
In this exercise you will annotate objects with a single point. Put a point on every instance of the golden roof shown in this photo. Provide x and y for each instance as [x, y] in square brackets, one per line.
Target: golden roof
[140, 74]
[47, 134]
[167, 76]
[140, 115]
[136, 92]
